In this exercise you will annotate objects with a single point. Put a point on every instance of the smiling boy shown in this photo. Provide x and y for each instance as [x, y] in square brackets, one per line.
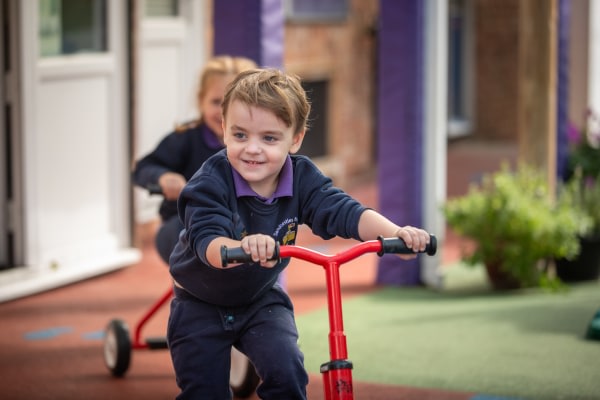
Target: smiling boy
[254, 194]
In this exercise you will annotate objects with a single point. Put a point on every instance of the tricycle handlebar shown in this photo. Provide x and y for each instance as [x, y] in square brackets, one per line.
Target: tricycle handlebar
[154, 188]
[380, 246]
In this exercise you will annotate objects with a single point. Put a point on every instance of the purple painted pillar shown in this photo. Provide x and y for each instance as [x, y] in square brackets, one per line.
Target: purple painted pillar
[250, 28]
[400, 126]
[562, 123]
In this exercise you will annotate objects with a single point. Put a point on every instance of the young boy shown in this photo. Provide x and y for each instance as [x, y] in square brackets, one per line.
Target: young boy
[253, 194]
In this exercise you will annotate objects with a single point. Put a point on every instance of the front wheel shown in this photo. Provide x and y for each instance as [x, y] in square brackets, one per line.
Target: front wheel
[117, 347]
[243, 378]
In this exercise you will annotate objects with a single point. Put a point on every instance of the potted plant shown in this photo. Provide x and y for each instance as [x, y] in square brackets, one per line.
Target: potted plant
[583, 185]
[515, 226]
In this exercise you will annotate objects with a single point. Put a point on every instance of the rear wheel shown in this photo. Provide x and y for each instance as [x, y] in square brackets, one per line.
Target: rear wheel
[243, 378]
[117, 347]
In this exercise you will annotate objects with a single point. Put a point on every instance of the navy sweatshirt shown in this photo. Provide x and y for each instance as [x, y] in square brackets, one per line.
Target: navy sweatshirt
[210, 208]
[182, 151]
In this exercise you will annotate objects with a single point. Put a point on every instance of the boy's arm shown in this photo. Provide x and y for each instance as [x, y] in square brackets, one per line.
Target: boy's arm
[372, 224]
[213, 251]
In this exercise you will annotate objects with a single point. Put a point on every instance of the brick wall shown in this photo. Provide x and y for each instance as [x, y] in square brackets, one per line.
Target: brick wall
[342, 53]
[496, 69]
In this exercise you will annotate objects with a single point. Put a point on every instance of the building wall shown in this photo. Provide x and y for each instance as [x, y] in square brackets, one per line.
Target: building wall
[578, 61]
[496, 69]
[344, 54]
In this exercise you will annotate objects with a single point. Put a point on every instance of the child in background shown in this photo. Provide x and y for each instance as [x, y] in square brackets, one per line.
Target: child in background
[253, 194]
[181, 153]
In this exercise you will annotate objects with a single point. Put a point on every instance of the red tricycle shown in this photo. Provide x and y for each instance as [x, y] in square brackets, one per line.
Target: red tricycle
[337, 372]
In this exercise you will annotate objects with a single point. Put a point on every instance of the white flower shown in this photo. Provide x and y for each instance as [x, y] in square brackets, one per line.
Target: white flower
[593, 130]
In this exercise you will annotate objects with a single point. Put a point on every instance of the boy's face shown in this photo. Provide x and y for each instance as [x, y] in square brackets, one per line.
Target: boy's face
[257, 145]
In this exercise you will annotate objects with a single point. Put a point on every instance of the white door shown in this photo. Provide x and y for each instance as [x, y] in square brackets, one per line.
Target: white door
[74, 142]
[170, 50]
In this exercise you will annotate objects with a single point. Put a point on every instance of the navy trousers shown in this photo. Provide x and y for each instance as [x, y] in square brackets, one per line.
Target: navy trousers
[200, 336]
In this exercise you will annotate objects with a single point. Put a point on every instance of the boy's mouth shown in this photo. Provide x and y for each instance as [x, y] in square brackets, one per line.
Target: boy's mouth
[252, 162]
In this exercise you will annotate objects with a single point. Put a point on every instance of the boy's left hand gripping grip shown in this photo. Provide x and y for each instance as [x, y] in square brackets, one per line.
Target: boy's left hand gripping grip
[237, 255]
[397, 246]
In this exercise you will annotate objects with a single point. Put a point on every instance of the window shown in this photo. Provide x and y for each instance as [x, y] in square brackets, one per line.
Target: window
[459, 68]
[316, 10]
[315, 140]
[72, 26]
[161, 8]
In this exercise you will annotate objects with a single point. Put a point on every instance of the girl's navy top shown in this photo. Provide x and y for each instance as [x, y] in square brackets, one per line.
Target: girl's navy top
[212, 205]
[182, 151]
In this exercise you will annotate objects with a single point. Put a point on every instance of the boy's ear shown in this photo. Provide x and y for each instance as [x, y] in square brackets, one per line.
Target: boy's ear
[297, 141]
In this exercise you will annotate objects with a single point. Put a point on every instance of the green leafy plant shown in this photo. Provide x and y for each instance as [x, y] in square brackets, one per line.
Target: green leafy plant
[515, 224]
[584, 193]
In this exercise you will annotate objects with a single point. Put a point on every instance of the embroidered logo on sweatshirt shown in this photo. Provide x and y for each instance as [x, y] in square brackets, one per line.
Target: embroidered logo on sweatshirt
[287, 231]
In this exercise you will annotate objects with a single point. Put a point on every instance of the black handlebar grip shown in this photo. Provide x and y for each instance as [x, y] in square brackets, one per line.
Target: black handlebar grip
[154, 188]
[397, 246]
[237, 255]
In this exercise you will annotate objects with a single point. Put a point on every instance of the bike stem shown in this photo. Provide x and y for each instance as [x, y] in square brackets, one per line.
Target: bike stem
[337, 373]
[337, 340]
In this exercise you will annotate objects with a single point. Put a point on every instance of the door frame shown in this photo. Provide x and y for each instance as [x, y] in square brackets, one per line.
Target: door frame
[12, 247]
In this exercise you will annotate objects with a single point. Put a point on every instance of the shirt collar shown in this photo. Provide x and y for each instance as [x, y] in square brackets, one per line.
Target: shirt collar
[211, 139]
[284, 186]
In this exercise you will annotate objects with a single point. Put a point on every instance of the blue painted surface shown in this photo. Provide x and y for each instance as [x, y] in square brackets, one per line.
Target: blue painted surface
[49, 333]
[486, 397]
[54, 332]
[96, 335]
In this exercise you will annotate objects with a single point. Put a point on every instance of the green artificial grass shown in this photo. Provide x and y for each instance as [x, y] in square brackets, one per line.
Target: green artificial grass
[527, 344]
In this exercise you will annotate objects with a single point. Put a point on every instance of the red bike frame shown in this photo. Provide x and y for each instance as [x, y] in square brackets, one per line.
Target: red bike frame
[151, 343]
[337, 372]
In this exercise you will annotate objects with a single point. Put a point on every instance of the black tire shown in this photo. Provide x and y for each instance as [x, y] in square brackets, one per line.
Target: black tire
[243, 378]
[117, 347]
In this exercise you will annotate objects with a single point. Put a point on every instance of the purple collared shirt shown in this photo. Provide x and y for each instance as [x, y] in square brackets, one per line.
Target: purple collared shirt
[211, 139]
[284, 186]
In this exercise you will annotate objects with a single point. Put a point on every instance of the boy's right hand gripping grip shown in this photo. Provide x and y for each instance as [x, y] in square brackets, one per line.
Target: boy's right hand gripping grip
[237, 255]
[397, 246]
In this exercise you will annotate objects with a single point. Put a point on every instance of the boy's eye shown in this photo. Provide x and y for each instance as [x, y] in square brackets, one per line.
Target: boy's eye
[239, 135]
[269, 139]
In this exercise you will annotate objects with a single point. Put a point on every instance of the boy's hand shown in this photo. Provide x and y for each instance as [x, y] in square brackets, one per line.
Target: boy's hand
[261, 247]
[415, 239]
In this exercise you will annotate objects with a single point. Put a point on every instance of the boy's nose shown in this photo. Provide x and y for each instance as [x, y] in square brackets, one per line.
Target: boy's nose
[252, 146]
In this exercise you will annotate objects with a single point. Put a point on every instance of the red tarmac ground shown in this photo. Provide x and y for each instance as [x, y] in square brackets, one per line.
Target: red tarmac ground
[51, 343]
[51, 346]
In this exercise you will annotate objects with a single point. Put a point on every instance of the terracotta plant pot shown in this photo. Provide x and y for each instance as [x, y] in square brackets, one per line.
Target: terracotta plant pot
[500, 279]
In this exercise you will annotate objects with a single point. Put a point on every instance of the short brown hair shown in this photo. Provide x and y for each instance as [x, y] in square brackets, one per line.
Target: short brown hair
[273, 90]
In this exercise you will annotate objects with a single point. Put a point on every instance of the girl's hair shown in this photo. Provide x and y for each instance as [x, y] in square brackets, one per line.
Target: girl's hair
[272, 90]
[219, 66]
